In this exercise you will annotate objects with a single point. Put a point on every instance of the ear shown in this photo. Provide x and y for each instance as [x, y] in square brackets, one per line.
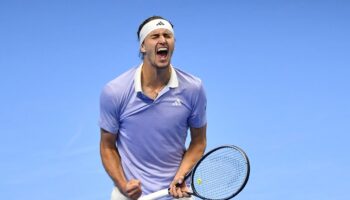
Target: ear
[142, 48]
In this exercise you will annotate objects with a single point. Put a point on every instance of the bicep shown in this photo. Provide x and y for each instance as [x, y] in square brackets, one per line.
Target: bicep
[199, 135]
[108, 139]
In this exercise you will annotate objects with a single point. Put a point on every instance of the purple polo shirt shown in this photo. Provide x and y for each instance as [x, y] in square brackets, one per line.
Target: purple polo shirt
[151, 134]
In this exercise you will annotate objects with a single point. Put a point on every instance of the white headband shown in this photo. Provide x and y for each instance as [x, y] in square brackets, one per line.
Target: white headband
[153, 25]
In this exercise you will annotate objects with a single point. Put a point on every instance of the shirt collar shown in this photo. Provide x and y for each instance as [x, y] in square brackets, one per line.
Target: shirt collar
[173, 81]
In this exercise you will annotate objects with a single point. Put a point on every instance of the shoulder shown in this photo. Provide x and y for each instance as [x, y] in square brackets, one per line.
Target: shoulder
[187, 80]
[122, 82]
[118, 88]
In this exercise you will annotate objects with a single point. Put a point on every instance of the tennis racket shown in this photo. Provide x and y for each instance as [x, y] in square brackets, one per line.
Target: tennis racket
[220, 174]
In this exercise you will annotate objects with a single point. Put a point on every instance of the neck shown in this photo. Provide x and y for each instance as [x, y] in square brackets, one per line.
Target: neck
[155, 77]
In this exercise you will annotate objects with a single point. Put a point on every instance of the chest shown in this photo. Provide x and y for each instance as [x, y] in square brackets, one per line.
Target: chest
[170, 110]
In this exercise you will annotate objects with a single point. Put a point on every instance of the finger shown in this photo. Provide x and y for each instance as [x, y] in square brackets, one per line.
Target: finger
[133, 188]
[138, 182]
[132, 185]
[135, 191]
[186, 193]
[135, 182]
[185, 190]
[135, 194]
[172, 189]
[179, 192]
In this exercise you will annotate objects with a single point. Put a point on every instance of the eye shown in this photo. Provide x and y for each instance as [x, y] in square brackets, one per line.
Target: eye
[154, 36]
[167, 35]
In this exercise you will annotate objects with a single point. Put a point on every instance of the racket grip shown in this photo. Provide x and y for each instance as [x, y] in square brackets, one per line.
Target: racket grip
[156, 195]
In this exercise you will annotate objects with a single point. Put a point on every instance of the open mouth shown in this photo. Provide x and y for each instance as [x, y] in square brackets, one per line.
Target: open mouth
[162, 52]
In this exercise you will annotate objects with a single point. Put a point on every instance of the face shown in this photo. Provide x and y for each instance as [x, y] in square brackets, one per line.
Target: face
[158, 47]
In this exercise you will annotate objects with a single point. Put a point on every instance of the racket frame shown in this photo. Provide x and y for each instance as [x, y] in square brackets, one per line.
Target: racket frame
[164, 192]
[195, 193]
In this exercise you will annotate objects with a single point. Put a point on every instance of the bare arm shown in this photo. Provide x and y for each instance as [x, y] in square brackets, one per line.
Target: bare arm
[112, 164]
[193, 154]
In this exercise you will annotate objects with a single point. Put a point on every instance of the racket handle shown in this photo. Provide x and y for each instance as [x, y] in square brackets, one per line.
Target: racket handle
[155, 195]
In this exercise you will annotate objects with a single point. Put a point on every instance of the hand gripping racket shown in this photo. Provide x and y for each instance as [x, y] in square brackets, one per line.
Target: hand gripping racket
[220, 174]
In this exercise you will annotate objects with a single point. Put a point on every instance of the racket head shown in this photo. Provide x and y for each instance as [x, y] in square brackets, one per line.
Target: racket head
[221, 174]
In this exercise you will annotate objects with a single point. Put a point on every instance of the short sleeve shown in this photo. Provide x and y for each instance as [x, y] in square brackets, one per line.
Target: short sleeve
[198, 116]
[109, 119]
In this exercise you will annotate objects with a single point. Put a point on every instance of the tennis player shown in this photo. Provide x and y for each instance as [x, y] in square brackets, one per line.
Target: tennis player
[145, 114]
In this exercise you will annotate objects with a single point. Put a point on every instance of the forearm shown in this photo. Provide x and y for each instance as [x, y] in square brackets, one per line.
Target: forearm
[191, 157]
[194, 152]
[178, 188]
[112, 163]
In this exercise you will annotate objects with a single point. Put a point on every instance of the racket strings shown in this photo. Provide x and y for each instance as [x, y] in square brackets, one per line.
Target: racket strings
[220, 174]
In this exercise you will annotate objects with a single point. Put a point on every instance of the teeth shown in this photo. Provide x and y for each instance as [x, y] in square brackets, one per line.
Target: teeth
[163, 49]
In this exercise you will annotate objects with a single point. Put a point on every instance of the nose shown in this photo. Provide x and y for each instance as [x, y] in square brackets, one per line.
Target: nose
[162, 39]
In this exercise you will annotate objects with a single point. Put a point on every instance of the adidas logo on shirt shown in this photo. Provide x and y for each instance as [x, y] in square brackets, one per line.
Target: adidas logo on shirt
[177, 102]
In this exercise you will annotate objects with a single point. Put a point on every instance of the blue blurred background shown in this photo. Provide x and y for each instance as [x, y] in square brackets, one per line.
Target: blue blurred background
[276, 75]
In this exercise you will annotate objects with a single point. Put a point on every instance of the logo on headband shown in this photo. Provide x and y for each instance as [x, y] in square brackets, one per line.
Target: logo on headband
[160, 23]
